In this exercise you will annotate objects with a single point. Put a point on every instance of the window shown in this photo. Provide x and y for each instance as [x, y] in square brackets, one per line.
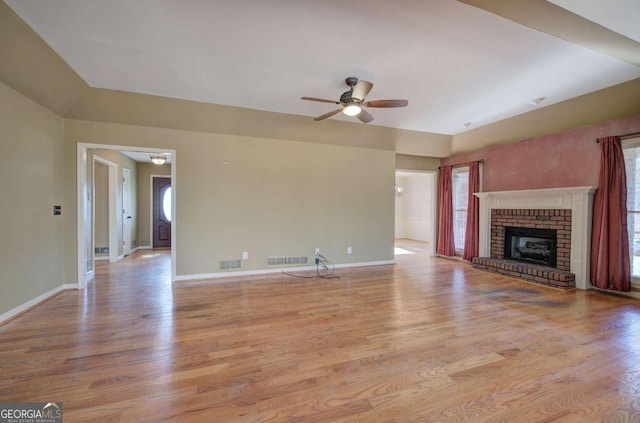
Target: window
[632, 164]
[166, 204]
[460, 205]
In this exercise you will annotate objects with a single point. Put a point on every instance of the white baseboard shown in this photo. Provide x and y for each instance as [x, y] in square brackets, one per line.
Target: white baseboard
[34, 302]
[101, 258]
[219, 275]
[143, 247]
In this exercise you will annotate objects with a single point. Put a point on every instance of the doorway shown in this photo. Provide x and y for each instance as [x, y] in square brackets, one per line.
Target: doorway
[161, 199]
[103, 242]
[415, 208]
[84, 216]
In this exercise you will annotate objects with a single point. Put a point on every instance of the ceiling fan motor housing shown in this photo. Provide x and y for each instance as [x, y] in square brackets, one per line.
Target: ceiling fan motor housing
[346, 96]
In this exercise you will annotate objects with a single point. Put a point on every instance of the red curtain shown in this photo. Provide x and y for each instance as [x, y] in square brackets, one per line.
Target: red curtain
[610, 267]
[473, 214]
[446, 244]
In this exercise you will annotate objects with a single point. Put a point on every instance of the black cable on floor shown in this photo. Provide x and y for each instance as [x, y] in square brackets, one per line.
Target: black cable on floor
[325, 269]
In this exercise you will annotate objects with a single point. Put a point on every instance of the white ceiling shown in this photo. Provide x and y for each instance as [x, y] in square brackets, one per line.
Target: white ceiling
[453, 62]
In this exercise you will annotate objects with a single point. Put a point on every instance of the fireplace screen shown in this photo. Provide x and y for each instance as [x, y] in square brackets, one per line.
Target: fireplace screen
[532, 245]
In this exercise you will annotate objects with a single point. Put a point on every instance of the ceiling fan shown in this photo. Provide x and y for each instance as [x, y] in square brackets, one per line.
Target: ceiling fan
[353, 103]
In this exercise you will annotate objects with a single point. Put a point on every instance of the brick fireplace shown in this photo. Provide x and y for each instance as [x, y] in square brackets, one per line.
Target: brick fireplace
[557, 220]
[564, 211]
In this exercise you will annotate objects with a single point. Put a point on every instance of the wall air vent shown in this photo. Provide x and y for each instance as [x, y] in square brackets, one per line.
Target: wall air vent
[230, 264]
[286, 261]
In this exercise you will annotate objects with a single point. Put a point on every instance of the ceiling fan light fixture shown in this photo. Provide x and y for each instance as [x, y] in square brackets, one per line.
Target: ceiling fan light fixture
[352, 110]
[353, 102]
[158, 158]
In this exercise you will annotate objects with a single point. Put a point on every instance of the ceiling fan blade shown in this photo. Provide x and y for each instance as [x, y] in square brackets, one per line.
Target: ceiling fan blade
[326, 115]
[321, 100]
[387, 103]
[361, 90]
[364, 116]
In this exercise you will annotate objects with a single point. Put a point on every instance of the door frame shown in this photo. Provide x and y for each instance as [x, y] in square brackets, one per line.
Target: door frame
[112, 194]
[151, 178]
[433, 205]
[82, 190]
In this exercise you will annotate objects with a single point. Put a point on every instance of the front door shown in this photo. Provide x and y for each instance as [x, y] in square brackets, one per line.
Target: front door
[162, 212]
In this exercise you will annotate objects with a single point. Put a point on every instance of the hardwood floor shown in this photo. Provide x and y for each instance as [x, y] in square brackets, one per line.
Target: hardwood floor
[426, 340]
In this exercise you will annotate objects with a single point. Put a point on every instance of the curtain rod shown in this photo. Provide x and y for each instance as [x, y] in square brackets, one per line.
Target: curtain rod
[632, 134]
[464, 164]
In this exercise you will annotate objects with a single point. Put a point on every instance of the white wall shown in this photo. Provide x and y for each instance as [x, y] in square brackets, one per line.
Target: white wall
[414, 209]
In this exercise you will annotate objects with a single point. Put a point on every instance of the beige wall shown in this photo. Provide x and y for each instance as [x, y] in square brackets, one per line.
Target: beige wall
[145, 170]
[101, 201]
[405, 162]
[273, 197]
[31, 261]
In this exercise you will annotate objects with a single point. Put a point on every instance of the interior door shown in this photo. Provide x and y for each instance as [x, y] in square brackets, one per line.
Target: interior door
[126, 211]
[162, 199]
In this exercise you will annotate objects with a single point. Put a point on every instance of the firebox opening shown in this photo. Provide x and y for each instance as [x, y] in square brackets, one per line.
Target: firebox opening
[531, 245]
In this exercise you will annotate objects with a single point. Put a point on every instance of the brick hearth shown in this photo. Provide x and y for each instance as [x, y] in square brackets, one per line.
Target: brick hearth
[542, 275]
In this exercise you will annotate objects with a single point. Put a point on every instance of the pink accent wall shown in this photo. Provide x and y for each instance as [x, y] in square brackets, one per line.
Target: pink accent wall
[566, 159]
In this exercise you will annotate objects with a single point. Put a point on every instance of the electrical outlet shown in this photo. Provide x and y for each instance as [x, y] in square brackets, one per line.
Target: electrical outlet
[348, 250]
[245, 255]
[317, 251]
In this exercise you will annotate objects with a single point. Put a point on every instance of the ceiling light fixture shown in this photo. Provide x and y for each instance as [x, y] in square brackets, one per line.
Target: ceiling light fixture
[352, 110]
[158, 158]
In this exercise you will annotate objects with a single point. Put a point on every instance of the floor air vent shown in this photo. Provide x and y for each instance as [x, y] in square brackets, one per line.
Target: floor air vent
[286, 261]
[230, 264]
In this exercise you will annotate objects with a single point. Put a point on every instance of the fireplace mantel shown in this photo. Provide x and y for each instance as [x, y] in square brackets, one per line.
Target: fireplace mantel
[578, 199]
